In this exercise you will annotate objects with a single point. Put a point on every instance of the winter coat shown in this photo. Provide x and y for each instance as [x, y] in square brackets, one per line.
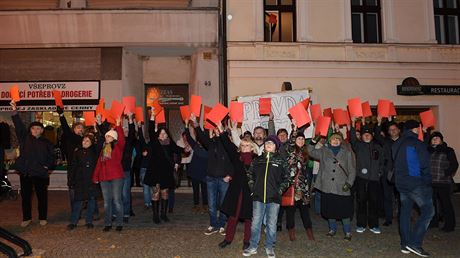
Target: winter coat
[334, 170]
[238, 184]
[411, 162]
[145, 161]
[129, 146]
[219, 164]
[36, 155]
[443, 163]
[198, 166]
[298, 167]
[81, 173]
[268, 178]
[370, 159]
[71, 139]
[111, 169]
[387, 143]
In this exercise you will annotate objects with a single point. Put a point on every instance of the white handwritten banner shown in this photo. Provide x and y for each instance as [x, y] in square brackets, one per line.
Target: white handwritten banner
[281, 102]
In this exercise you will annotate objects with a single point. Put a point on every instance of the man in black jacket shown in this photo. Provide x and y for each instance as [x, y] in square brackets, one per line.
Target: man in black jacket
[35, 160]
[130, 136]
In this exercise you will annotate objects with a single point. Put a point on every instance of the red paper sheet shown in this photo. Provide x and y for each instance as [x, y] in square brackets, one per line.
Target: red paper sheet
[315, 111]
[100, 107]
[195, 105]
[156, 106]
[206, 111]
[89, 118]
[322, 126]
[106, 115]
[265, 106]
[428, 119]
[305, 103]
[117, 109]
[340, 117]
[300, 114]
[358, 126]
[383, 108]
[366, 109]
[392, 109]
[217, 114]
[327, 112]
[160, 118]
[236, 111]
[58, 98]
[355, 107]
[139, 114]
[185, 112]
[130, 104]
[14, 92]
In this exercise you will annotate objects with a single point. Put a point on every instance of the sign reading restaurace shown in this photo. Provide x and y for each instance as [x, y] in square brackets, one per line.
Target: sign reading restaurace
[38, 96]
[427, 90]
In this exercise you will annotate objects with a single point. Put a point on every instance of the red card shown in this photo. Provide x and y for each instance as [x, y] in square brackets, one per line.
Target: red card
[185, 112]
[130, 104]
[160, 118]
[300, 114]
[366, 109]
[265, 106]
[305, 103]
[315, 111]
[347, 116]
[420, 133]
[139, 114]
[195, 105]
[236, 111]
[327, 112]
[117, 109]
[427, 118]
[156, 106]
[392, 109]
[358, 126]
[355, 107]
[100, 107]
[383, 108]
[58, 98]
[106, 115]
[206, 111]
[340, 117]
[14, 92]
[322, 126]
[217, 114]
[89, 118]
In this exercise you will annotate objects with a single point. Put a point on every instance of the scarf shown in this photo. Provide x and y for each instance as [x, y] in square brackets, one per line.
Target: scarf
[107, 151]
[334, 149]
[165, 142]
[246, 158]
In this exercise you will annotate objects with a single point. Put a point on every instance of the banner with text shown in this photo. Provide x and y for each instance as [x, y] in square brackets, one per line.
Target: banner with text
[38, 96]
[281, 102]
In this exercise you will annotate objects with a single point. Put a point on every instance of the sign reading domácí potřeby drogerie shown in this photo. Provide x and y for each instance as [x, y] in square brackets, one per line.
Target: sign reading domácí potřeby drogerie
[38, 96]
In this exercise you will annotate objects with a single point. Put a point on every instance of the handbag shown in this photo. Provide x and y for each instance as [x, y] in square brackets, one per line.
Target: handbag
[288, 197]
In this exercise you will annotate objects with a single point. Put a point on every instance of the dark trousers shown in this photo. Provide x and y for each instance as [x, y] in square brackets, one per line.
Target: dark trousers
[388, 198]
[40, 185]
[442, 193]
[196, 185]
[367, 196]
[233, 222]
[280, 216]
[135, 177]
[304, 215]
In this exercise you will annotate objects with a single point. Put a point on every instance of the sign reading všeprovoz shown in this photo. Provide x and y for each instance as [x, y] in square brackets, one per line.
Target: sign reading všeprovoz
[38, 96]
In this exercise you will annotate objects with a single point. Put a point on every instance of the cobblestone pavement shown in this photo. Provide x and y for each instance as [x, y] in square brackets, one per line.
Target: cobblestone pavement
[183, 236]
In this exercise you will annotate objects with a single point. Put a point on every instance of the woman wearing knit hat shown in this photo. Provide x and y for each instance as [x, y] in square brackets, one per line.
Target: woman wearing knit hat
[444, 164]
[109, 172]
[335, 177]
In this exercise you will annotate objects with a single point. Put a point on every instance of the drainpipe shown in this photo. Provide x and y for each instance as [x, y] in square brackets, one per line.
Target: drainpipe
[223, 91]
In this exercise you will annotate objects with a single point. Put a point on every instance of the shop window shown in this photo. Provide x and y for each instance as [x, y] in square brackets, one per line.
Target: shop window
[279, 20]
[366, 21]
[446, 20]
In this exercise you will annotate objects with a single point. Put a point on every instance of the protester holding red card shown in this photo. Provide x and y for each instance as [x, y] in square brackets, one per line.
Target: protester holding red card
[58, 98]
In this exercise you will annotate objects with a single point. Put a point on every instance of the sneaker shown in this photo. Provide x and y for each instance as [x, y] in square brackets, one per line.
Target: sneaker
[347, 236]
[360, 229]
[222, 231]
[71, 226]
[43, 222]
[211, 230]
[418, 251]
[245, 246]
[248, 252]
[331, 233]
[404, 250]
[26, 223]
[270, 252]
[375, 230]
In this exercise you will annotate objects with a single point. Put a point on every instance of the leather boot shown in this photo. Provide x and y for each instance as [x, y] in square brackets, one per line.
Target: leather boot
[156, 211]
[291, 234]
[164, 209]
[310, 234]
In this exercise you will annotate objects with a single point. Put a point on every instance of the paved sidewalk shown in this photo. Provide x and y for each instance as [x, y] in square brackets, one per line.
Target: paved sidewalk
[183, 236]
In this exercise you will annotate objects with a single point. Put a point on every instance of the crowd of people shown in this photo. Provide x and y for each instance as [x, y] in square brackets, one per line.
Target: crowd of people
[251, 177]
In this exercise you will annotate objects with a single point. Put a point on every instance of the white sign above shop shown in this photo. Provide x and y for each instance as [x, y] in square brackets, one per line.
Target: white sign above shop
[38, 96]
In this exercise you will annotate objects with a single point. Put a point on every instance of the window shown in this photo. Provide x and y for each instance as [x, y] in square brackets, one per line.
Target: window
[446, 21]
[365, 21]
[279, 20]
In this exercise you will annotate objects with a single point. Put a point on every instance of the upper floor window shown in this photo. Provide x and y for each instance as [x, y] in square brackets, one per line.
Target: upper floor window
[279, 20]
[365, 20]
[446, 20]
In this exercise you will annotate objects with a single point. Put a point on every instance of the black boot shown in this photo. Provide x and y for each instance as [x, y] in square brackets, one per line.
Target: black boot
[164, 209]
[156, 210]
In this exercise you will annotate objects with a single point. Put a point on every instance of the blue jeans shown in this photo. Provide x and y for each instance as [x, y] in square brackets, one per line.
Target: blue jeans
[422, 196]
[126, 194]
[269, 211]
[217, 188]
[111, 191]
[76, 209]
[146, 188]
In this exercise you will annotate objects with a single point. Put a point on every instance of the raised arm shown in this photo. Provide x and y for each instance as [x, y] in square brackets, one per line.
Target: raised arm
[230, 148]
[19, 126]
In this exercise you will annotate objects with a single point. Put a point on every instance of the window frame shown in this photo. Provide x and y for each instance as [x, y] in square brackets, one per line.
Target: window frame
[282, 9]
[364, 9]
[444, 14]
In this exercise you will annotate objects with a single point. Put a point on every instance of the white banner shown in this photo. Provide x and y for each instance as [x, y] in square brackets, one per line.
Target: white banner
[38, 96]
[281, 102]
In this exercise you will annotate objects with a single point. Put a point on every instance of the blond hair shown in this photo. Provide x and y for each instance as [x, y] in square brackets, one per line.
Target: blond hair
[250, 142]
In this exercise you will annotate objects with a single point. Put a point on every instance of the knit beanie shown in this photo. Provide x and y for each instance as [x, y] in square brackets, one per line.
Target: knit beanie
[112, 133]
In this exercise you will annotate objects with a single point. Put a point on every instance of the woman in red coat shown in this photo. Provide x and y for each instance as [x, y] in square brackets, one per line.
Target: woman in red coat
[109, 172]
